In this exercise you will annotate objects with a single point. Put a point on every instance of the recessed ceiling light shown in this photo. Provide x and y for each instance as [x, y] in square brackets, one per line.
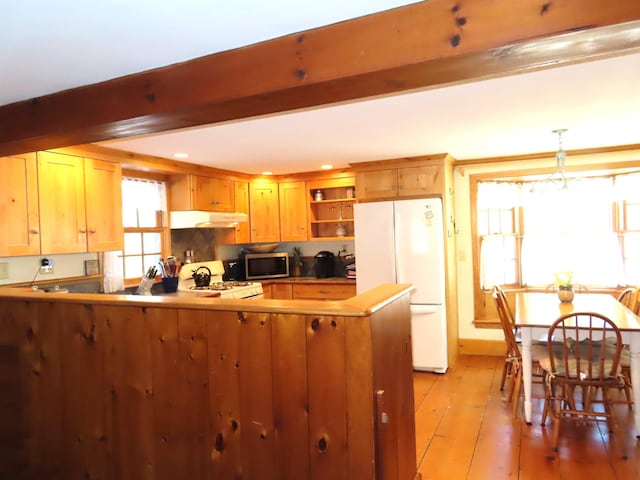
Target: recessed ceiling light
[326, 167]
[267, 173]
[181, 155]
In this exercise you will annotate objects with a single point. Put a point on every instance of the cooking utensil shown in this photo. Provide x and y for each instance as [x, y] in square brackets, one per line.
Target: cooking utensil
[163, 270]
[171, 260]
[201, 276]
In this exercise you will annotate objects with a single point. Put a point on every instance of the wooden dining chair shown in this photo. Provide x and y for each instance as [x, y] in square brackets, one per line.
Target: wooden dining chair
[508, 361]
[513, 358]
[589, 359]
[629, 298]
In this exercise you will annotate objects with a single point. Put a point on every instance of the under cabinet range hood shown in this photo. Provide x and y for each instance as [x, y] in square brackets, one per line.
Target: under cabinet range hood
[200, 219]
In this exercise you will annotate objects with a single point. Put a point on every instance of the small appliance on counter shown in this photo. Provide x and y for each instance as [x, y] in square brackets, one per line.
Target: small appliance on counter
[233, 270]
[324, 264]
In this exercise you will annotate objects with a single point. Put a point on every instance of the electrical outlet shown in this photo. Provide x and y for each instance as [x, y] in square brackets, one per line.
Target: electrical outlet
[46, 266]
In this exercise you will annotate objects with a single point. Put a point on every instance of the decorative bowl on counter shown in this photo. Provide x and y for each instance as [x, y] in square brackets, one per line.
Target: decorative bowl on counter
[266, 248]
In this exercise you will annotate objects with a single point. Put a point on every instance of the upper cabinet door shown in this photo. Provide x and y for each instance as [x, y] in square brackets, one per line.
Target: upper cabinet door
[241, 194]
[293, 211]
[223, 195]
[63, 226]
[202, 193]
[240, 233]
[264, 212]
[213, 194]
[103, 182]
[19, 219]
[421, 180]
[377, 184]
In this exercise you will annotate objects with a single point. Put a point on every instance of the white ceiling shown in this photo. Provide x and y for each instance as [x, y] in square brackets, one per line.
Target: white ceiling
[51, 46]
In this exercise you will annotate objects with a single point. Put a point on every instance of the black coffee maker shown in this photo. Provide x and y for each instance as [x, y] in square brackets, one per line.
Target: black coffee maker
[324, 264]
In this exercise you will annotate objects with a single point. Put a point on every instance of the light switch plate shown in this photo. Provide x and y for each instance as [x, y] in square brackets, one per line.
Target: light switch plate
[4, 270]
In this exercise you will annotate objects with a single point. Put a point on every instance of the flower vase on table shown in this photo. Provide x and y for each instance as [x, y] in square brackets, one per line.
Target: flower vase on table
[565, 293]
[564, 284]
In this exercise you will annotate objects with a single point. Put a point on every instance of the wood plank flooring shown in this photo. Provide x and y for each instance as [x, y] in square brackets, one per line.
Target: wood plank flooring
[465, 431]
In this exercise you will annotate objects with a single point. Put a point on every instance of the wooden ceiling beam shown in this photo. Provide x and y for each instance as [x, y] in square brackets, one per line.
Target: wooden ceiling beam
[423, 45]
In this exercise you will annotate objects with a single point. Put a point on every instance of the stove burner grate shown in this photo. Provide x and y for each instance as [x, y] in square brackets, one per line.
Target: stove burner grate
[229, 285]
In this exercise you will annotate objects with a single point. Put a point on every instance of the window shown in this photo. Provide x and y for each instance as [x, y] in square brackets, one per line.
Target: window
[496, 225]
[143, 205]
[591, 228]
[627, 185]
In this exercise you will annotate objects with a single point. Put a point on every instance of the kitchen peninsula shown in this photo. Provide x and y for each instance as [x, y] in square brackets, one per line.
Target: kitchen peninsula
[119, 386]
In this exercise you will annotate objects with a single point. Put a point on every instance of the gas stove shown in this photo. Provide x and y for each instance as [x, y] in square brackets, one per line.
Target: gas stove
[228, 289]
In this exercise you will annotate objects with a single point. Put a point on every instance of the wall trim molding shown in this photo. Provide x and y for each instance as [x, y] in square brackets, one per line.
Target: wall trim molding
[473, 346]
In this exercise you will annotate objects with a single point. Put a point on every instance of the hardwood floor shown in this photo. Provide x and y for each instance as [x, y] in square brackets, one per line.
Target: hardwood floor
[465, 430]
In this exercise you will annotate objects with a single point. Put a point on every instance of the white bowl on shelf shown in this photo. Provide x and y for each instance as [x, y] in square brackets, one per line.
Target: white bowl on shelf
[266, 248]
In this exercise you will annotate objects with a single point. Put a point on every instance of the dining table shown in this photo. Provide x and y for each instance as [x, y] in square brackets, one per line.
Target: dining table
[535, 312]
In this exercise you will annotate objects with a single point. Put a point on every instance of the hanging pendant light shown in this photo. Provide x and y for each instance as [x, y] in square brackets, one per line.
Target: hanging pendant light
[558, 179]
[561, 156]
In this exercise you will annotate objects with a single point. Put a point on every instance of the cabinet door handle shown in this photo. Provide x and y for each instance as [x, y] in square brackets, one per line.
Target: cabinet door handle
[93, 230]
[35, 231]
[325, 291]
[394, 187]
[83, 231]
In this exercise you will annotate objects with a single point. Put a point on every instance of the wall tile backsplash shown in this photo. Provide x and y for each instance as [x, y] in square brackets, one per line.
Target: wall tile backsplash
[200, 240]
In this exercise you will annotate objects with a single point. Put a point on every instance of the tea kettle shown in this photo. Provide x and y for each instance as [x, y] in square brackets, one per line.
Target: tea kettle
[202, 279]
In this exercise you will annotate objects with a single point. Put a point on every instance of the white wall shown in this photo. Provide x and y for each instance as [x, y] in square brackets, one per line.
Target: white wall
[466, 329]
[26, 269]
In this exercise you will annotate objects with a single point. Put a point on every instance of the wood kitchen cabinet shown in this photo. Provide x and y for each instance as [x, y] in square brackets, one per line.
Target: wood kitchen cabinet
[19, 222]
[80, 204]
[103, 193]
[264, 211]
[331, 218]
[241, 232]
[416, 177]
[323, 291]
[215, 194]
[310, 290]
[281, 291]
[197, 192]
[293, 211]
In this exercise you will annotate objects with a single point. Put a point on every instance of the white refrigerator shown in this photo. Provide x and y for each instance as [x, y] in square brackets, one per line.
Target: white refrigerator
[403, 242]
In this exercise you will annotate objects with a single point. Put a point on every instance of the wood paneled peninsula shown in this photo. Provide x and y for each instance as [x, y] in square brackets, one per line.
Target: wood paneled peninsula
[131, 387]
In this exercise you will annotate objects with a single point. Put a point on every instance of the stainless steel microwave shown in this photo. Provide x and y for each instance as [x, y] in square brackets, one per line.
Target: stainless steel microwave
[266, 265]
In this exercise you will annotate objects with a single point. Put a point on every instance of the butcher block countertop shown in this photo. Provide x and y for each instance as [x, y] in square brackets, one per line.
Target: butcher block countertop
[360, 305]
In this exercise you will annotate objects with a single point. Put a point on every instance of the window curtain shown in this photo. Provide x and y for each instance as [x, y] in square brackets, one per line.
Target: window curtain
[491, 273]
[142, 199]
[494, 196]
[571, 230]
[112, 274]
